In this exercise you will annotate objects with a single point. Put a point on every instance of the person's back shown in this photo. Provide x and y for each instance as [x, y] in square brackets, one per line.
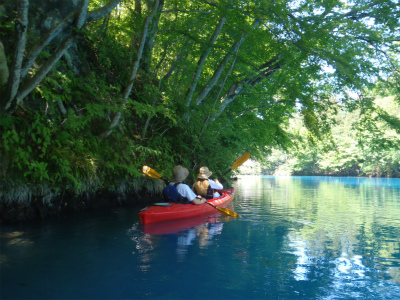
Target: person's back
[206, 187]
[179, 174]
[171, 194]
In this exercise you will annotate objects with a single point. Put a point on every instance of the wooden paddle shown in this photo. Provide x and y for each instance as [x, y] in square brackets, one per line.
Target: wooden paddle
[154, 174]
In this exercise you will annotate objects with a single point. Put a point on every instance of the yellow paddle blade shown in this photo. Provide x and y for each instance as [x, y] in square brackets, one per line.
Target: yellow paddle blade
[150, 172]
[241, 160]
[227, 212]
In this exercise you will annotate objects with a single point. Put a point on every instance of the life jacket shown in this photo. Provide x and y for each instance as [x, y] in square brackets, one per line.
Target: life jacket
[171, 194]
[203, 188]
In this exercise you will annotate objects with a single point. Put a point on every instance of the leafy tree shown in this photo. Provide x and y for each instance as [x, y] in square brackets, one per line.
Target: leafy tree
[362, 142]
[111, 85]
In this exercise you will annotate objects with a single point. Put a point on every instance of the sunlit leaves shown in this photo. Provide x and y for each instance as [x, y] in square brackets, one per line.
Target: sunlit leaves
[363, 142]
[300, 60]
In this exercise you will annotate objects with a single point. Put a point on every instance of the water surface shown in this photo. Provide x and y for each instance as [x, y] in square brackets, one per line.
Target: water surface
[298, 238]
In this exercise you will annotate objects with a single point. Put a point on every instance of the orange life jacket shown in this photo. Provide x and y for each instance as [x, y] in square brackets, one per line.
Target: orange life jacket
[203, 188]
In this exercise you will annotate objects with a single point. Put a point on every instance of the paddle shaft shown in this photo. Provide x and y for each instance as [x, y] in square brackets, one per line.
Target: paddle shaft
[224, 210]
[240, 161]
[226, 172]
[210, 204]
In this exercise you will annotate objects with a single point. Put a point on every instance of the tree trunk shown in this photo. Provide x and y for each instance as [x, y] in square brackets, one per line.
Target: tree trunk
[138, 7]
[31, 84]
[44, 41]
[135, 67]
[134, 70]
[182, 53]
[4, 72]
[239, 87]
[207, 88]
[149, 42]
[48, 65]
[208, 120]
[14, 79]
[202, 60]
[15, 93]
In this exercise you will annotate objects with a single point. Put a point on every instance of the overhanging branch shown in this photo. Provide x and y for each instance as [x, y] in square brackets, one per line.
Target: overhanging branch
[203, 58]
[14, 79]
[20, 67]
[237, 88]
[249, 109]
[134, 70]
[207, 88]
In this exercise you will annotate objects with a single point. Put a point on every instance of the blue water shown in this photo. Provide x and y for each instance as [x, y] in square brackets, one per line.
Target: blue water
[298, 238]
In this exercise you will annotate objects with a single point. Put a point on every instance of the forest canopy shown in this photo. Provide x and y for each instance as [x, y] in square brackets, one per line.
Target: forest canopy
[91, 90]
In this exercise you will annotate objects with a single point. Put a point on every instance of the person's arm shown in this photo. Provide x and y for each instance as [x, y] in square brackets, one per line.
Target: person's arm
[215, 184]
[198, 200]
[186, 191]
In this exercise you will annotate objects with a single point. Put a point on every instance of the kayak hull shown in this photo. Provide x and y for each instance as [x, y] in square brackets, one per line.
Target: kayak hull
[152, 214]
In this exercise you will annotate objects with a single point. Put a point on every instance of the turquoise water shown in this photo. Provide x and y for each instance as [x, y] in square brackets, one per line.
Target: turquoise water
[298, 238]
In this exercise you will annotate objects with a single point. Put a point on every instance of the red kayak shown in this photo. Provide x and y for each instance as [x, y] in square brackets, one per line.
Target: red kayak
[159, 213]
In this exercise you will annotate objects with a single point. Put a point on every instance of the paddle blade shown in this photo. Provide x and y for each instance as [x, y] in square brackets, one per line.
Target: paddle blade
[150, 172]
[241, 160]
[227, 212]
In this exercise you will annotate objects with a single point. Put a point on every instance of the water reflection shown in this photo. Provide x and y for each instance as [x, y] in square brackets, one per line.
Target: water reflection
[298, 238]
[203, 234]
[198, 231]
[345, 228]
[180, 225]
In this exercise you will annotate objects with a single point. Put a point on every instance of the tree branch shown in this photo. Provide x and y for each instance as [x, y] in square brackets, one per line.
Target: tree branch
[14, 78]
[20, 68]
[138, 7]
[185, 11]
[55, 57]
[31, 84]
[149, 42]
[245, 111]
[61, 26]
[206, 89]
[176, 60]
[239, 87]
[102, 12]
[4, 72]
[135, 68]
[81, 19]
[207, 121]
[44, 41]
[203, 58]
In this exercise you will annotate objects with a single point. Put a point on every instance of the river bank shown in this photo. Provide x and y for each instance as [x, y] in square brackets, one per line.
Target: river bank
[38, 209]
[23, 202]
[26, 205]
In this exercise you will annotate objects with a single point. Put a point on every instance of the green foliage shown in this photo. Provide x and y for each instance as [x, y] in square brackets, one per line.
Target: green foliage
[25, 151]
[364, 142]
[302, 57]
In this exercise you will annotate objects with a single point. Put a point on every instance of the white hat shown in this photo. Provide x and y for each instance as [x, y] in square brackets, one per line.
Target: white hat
[204, 173]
